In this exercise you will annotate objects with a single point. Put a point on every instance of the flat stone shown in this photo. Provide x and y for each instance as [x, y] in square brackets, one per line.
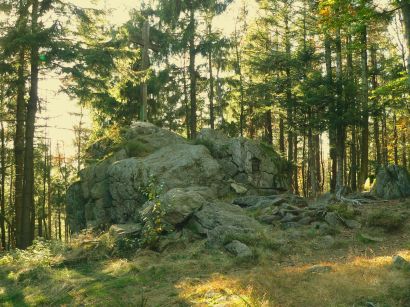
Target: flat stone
[332, 219]
[239, 188]
[317, 269]
[399, 262]
[239, 249]
[370, 238]
[353, 224]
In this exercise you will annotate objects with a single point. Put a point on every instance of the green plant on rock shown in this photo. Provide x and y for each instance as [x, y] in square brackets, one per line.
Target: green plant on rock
[153, 215]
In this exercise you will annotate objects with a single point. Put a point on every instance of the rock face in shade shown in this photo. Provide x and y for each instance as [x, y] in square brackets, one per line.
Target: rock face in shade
[392, 182]
[189, 178]
[248, 162]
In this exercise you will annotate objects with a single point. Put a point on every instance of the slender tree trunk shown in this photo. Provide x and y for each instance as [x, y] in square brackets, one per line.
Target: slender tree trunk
[3, 185]
[312, 164]
[268, 127]
[186, 99]
[192, 72]
[219, 92]
[241, 87]
[289, 103]
[405, 8]
[295, 175]
[281, 135]
[19, 149]
[340, 127]
[317, 161]
[404, 148]
[395, 140]
[385, 139]
[28, 187]
[211, 84]
[376, 127]
[304, 181]
[332, 138]
[364, 146]
[49, 209]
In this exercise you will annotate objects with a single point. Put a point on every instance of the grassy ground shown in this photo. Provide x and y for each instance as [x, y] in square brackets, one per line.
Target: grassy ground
[360, 271]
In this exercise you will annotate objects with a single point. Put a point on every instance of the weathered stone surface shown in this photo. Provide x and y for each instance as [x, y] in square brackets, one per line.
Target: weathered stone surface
[392, 182]
[120, 231]
[219, 221]
[187, 177]
[249, 161]
[180, 203]
[238, 249]
[76, 208]
[238, 188]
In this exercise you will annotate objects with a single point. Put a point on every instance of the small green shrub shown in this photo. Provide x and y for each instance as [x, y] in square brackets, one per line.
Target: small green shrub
[388, 220]
[153, 216]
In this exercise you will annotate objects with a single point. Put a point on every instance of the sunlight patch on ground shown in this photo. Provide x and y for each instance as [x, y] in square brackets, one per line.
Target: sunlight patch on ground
[218, 289]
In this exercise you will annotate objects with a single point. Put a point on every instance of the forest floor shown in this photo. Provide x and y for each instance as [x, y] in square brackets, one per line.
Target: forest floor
[344, 269]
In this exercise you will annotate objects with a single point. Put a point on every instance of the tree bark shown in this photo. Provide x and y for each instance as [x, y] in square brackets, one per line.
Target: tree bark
[364, 144]
[192, 73]
[3, 185]
[211, 84]
[332, 139]
[405, 8]
[28, 186]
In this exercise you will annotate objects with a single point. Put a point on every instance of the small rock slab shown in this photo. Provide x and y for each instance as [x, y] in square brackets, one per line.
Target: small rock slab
[399, 262]
[317, 269]
[370, 238]
[239, 249]
[352, 224]
[119, 231]
[239, 188]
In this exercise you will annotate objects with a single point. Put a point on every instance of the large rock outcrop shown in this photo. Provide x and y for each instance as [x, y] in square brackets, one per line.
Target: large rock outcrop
[188, 178]
[392, 182]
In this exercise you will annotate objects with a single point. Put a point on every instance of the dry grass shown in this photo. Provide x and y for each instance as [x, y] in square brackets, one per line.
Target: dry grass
[199, 276]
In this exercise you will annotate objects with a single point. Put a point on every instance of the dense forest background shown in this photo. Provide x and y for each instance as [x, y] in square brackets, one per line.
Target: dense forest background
[326, 83]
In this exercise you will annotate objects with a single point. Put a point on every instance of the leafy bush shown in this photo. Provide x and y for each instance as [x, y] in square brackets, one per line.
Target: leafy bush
[153, 215]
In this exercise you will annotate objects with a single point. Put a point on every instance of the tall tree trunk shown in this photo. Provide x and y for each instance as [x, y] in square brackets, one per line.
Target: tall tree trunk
[364, 146]
[312, 163]
[404, 148]
[3, 185]
[49, 209]
[186, 100]
[268, 127]
[241, 87]
[405, 8]
[211, 84]
[281, 135]
[28, 187]
[304, 181]
[332, 139]
[192, 72]
[376, 127]
[19, 149]
[385, 139]
[295, 174]
[219, 92]
[289, 103]
[395, 140]
[340, 127]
